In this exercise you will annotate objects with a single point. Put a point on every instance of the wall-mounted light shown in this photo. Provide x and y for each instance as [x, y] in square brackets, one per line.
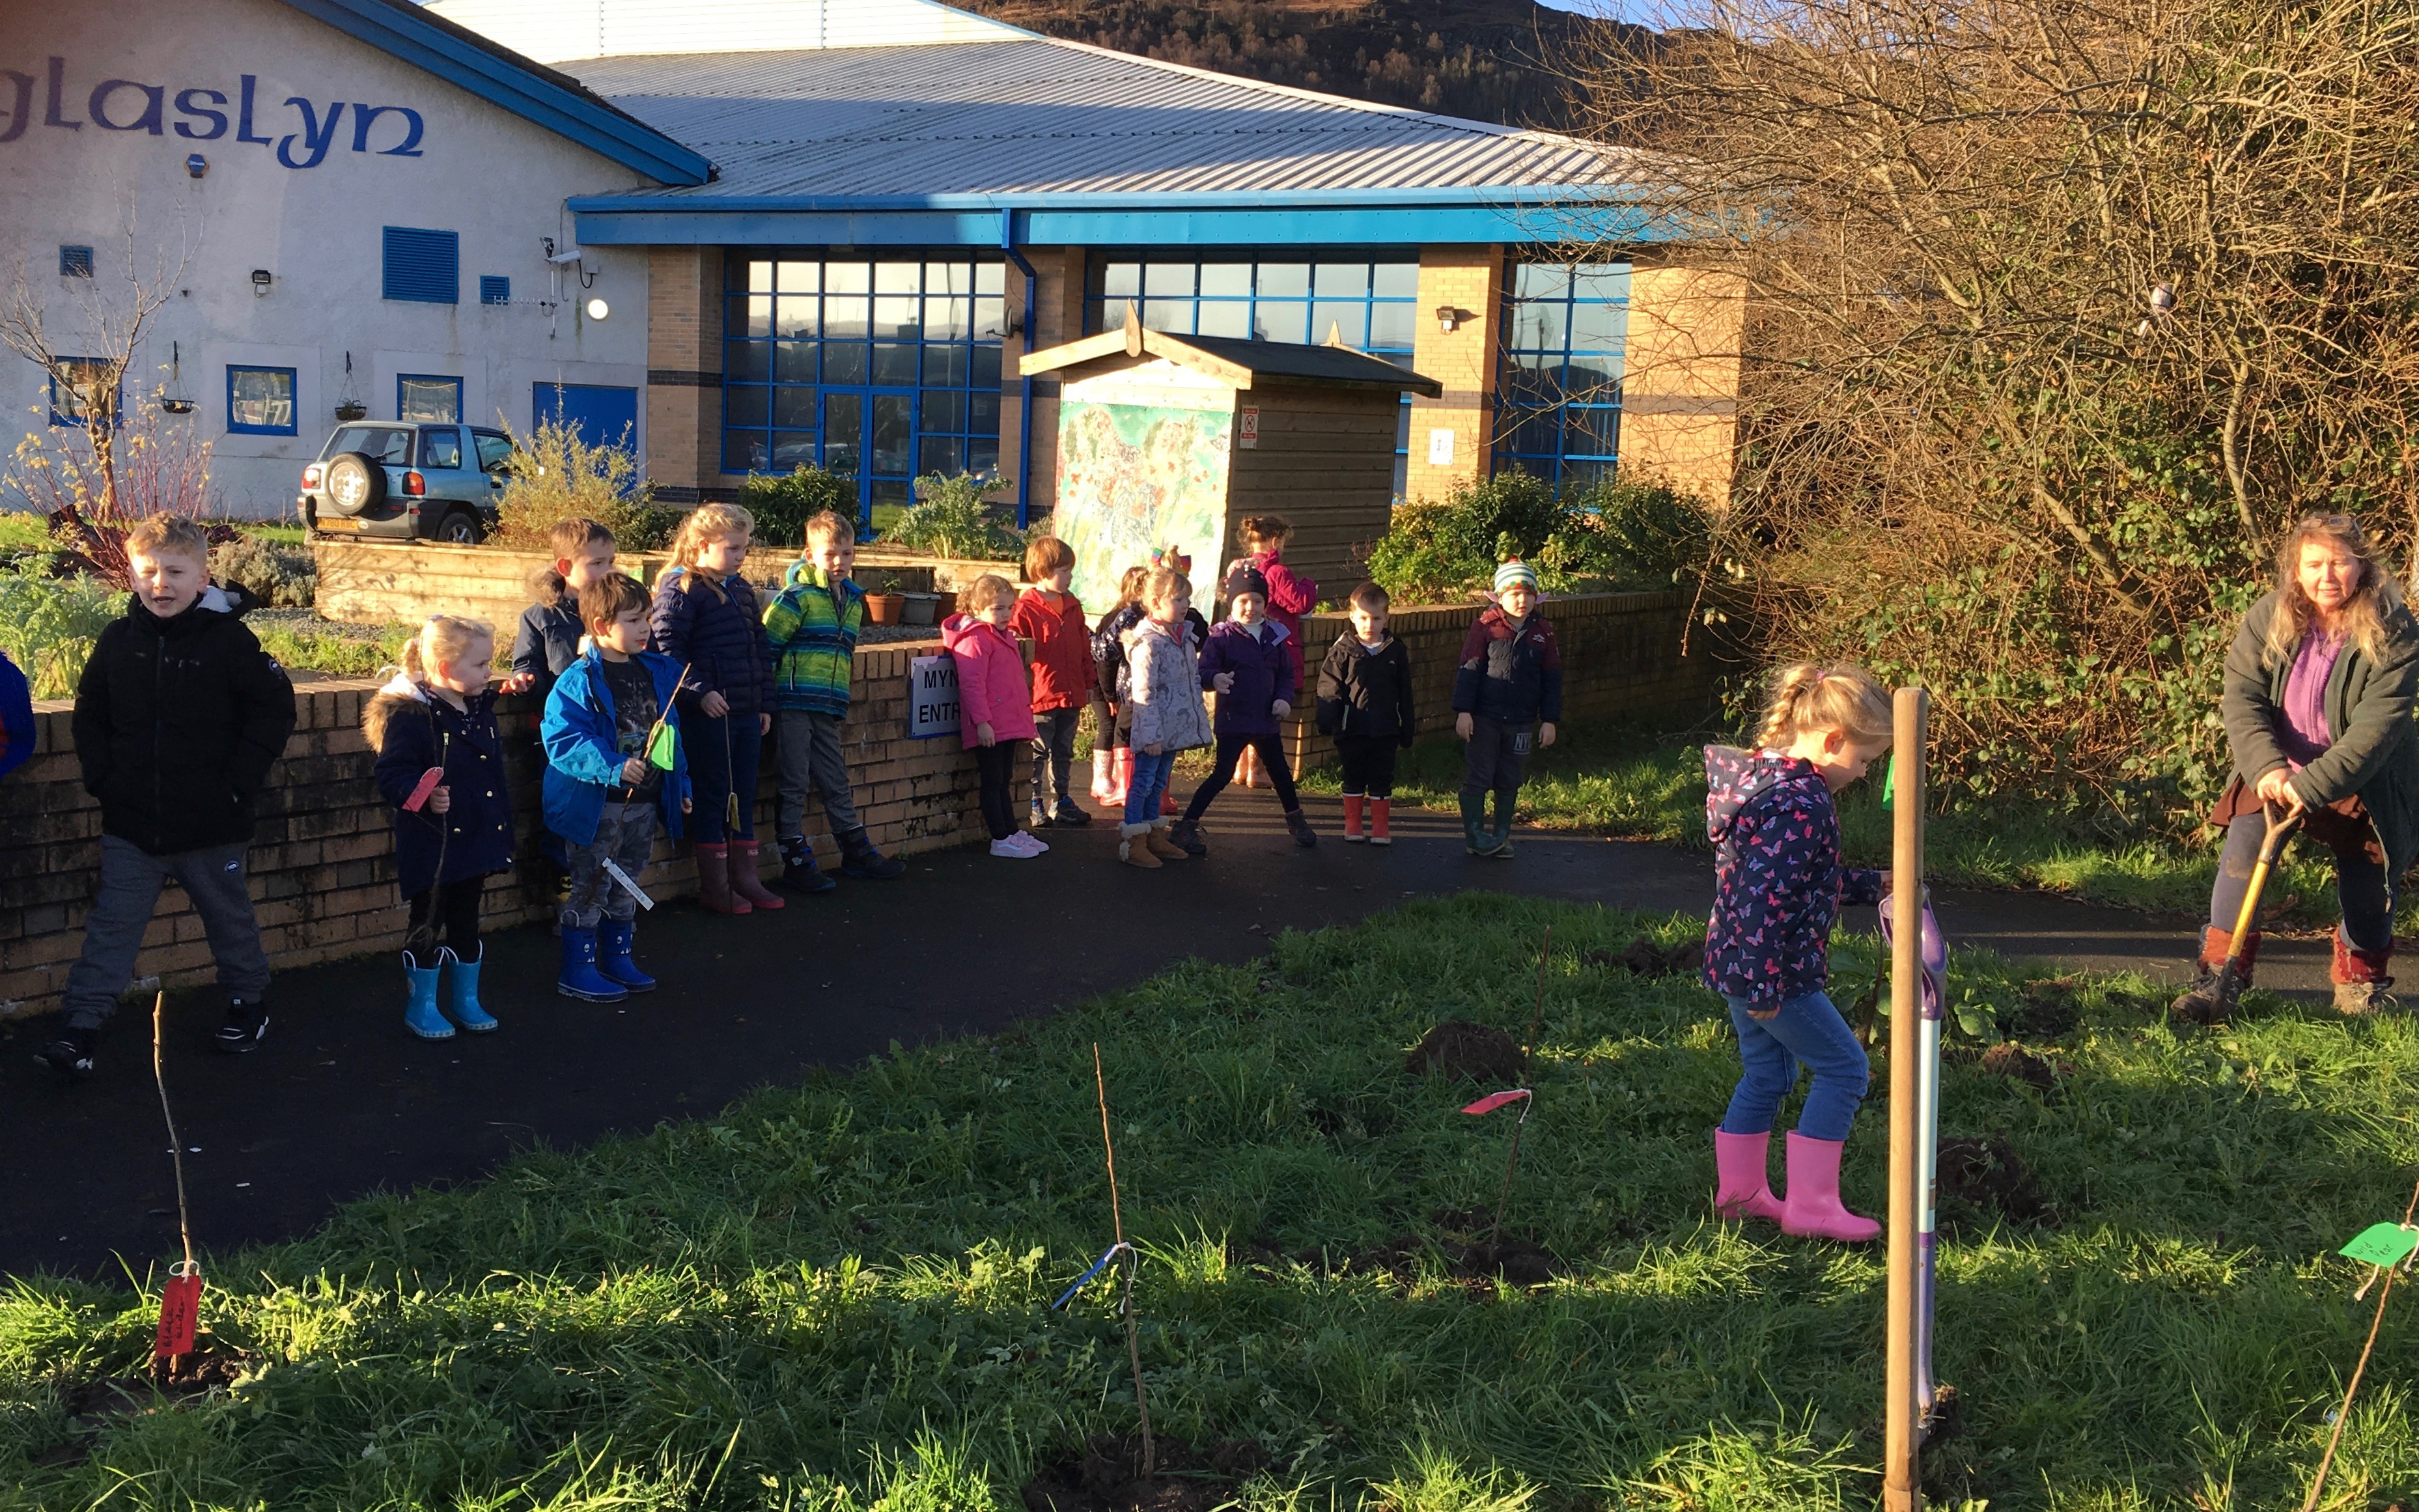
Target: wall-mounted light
[598, 309]
[1449, 319]
[197, 166]
[261, 279]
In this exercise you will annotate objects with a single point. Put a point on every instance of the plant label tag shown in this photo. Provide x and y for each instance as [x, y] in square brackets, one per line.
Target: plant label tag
[2383, 1244]
[614, 871]
[1495, 1099]
[420, 790]
[180, 1307]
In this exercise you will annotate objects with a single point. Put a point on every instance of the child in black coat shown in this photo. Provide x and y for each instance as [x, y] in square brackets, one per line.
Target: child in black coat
[1365, 701]
[440, 762]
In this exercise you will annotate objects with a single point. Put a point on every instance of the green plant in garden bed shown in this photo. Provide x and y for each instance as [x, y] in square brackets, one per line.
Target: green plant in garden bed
[835, 1295]
[351, 651]
[1622, 532]
[48, 624]
[554, 474]
[782, 503]
[950, 519]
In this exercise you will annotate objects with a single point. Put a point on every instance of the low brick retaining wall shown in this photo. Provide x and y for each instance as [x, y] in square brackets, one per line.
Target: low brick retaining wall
[323, 858]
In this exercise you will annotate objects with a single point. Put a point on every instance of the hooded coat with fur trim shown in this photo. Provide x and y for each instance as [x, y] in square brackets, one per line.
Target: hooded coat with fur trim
[414, 730]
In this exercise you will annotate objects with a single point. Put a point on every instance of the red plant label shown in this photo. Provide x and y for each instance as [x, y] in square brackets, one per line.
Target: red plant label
[181, 1306]
[421, 790]
[1495, 1099]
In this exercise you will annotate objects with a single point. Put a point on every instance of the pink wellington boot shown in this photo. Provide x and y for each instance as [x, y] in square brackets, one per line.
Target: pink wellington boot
[1741, 1189]
[1811, 1209]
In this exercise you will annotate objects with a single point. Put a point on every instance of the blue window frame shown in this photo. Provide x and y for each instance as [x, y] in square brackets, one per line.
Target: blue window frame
[423, 267]
[75, 262]
[260, 401]
[881, 368]
[495, 288]
[427, 397]
[67, 399]
[1371, 302]
[1558, 395]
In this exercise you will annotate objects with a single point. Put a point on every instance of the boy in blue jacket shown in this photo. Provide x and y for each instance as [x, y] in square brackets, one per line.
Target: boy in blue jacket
[1507, 697]
[614, 756]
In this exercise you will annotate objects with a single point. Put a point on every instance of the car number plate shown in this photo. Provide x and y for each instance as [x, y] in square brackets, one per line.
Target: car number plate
[338, 522]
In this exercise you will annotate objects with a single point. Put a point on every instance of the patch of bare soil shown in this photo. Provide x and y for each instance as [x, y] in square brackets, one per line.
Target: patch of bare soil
[1106, 1476]
[2048, 1009]
[2018, 1064]
[1986, 1173]
[1457, 1047]
[1642, 957]
[94, 1405]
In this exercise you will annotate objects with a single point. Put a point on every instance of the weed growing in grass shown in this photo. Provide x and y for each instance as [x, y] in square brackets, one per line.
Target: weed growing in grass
[835, 1295]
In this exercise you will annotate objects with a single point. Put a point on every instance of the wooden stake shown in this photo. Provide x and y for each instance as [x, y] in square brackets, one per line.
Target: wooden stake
[1902, 1441]
[1133, 1349]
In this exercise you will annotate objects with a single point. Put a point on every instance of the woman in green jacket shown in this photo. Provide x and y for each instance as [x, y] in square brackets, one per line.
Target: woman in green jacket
[2317, 712]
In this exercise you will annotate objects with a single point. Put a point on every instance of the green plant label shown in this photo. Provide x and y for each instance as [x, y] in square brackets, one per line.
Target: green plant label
[2383, 1244]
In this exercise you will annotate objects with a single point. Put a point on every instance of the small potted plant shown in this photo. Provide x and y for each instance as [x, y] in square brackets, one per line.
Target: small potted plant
[883, 605]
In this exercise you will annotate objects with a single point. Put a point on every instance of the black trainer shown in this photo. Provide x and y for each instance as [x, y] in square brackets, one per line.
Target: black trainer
[70, 1054]
[1186, 836]
[1067, 816]
[246, 1025]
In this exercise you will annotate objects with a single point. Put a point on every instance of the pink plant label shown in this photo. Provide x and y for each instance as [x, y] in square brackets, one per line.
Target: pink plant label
[181, 1306]
[1495, 1099]
[421, 790]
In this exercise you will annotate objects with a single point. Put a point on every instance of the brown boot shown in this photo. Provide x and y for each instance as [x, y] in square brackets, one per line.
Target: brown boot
[1162, 847]
[1134, 846]
[746, 882]
[2204, 1002]
[714, 882]
[2361, 980]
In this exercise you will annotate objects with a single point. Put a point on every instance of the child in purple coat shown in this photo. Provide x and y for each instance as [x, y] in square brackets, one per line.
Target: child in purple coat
[1777, 890]
[1250, 664]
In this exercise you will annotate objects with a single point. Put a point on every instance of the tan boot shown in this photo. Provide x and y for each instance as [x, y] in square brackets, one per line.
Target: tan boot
[1163, 847]
[1134, 846]
[2203, 1002]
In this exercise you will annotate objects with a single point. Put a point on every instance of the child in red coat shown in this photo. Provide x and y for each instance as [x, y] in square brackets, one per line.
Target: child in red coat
[1063, 675]
[995, 706]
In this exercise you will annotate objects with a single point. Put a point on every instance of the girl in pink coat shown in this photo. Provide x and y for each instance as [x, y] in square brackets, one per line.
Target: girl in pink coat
[994, 704]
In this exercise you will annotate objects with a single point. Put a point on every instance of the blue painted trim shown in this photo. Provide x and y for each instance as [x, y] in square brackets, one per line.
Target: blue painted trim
[1505, 196]
[399, 30]
[662, 222]
[293, 400]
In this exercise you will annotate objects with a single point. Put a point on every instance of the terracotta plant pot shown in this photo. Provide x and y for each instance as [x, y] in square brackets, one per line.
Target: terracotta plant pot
[884, 609]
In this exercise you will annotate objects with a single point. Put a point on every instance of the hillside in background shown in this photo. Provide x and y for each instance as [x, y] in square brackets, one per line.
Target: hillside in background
[1489, 60]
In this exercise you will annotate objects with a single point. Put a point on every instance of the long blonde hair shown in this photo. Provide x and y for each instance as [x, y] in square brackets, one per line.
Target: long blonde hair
[1807, 697]
[441, 641]
[2363, 614]
[705, 521]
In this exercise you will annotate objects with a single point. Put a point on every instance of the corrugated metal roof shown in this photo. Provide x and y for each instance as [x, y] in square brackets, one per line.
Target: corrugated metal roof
[1045, 116]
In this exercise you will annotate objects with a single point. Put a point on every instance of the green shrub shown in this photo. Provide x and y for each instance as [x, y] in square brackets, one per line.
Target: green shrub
[782, 503]
[553, 473]
[48, 624]
[1623, 533]
[952, 520]
[277, 575]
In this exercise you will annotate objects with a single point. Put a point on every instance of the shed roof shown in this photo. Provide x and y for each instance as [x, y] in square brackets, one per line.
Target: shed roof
[1233, 360]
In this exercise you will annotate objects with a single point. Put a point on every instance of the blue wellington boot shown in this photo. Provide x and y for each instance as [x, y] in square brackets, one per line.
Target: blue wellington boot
[613, 955]
[579, 977]
[463, 1007]
[420, 1014]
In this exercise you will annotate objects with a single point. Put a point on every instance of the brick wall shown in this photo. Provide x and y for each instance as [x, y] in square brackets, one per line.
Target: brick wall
[323, 858]
[1463, 359]
[684, 371]
[1622, 661]
[1680, 376]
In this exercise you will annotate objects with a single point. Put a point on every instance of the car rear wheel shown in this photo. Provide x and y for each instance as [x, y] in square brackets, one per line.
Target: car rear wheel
[356, 482]
[459, 527]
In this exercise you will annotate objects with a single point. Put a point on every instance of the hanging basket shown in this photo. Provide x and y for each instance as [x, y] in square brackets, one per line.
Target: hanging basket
[352, 409]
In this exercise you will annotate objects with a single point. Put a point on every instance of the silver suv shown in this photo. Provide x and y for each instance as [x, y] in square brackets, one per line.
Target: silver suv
[406, 480]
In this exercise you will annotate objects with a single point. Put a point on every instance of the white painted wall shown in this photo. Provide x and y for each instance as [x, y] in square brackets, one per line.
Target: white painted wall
[495, 178]
[562, 30]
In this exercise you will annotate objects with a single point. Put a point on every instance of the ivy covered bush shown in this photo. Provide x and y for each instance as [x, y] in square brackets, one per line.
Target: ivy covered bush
[1621, 533]
[782, 503]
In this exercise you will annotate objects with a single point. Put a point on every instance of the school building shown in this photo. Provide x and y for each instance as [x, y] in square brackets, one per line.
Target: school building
[743, 235]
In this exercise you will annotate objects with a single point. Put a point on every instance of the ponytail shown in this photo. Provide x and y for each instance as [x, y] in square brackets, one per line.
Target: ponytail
[443, 638]
[1807, 696]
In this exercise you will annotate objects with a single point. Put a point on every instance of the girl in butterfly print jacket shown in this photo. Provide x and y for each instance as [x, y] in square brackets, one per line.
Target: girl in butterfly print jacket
[1777, 890]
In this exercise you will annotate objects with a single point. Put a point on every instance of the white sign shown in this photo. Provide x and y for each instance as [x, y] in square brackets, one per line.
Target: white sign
[931, 697]
[1247, 433]
[1439, 447]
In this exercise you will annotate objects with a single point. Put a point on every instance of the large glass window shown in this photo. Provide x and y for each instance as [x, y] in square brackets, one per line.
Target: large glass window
[1558, 399]
[1372, 305]
[885, 369]
[75, 381]
[427, 397]
[260, 401]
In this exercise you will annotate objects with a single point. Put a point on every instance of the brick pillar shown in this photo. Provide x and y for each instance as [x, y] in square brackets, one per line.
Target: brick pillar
[1680, 376]
[1058, 317]
[1469, 279]
[684, 372]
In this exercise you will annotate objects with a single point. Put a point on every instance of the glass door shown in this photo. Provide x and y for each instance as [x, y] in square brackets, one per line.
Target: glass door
[869, 436]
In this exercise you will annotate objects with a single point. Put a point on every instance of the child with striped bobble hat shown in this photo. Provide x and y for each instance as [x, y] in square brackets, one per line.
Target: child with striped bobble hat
[1507, 699]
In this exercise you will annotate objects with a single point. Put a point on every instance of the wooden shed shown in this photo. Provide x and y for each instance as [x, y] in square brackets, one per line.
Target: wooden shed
[1171, 441]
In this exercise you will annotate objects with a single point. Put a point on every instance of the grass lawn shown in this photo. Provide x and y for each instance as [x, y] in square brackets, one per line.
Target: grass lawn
[1653, 787]
[837, 1295]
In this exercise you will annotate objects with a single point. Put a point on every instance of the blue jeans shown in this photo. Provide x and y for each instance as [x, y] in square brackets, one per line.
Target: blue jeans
[1143, 789]
[1807, 1031]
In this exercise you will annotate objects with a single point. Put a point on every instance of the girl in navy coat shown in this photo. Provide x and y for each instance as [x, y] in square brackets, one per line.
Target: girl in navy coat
[441, 764]
[705, 620]
[1777, 890]
[1251, 664]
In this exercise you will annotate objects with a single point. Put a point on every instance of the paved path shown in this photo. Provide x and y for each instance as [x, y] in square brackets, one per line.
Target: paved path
[339, 1103]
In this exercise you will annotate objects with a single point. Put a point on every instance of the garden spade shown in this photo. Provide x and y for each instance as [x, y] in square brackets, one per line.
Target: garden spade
[2281, 824]
[1933, 955]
